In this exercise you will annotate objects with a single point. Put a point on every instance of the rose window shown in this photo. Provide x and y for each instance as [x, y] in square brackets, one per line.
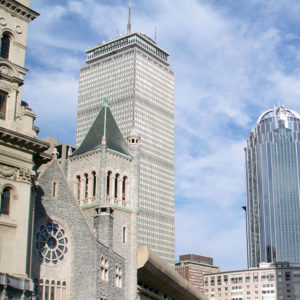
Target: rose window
[51, 243]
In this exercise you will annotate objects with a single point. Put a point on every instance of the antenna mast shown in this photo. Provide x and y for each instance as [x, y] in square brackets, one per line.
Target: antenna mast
[129, 17]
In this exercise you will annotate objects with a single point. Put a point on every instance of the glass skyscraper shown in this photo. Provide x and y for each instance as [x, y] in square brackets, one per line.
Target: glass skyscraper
[273, 180]
[135, 74]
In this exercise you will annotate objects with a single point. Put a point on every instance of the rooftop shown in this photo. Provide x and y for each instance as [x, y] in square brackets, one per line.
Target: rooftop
[125, 41]
[104, 132]
[279, 112]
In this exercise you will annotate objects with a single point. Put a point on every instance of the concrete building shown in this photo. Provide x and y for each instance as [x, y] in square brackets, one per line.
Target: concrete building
[273, 195]
[273, 281]
[158, 280]
[193, 267]
[135, 74]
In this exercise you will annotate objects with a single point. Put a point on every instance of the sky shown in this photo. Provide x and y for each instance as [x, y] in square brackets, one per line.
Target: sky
[232, 60]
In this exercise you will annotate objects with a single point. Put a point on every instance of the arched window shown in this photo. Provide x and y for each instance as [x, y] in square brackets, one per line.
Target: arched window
[5, 199]
[3, 99]
[116, 185]
[94, 183]
[86, 186]
[78, 187]
[108, 183]
[5, 44]
[124, 186]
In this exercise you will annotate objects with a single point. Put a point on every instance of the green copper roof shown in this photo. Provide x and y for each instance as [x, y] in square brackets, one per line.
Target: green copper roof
[103, 126]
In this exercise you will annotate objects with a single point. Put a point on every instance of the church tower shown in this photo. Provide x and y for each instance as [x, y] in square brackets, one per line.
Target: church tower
[19, 152]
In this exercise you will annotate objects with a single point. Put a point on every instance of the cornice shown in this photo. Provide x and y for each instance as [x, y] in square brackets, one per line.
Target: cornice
[22, 142]
[13, 79]
[19, 9]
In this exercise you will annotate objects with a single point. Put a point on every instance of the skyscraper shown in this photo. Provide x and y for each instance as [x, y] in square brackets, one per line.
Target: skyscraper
[135, 74]
[273, 179]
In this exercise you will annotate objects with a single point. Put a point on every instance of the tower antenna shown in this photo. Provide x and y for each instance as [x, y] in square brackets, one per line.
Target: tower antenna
[155, 34]
[129, 17]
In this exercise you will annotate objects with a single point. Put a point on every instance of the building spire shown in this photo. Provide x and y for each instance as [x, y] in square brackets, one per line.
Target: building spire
[129, 17]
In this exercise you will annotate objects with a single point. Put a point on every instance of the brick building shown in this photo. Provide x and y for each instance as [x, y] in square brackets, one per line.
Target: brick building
[193, 267]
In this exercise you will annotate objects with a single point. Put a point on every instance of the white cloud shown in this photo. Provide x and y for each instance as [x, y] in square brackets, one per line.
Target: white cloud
[53, 97]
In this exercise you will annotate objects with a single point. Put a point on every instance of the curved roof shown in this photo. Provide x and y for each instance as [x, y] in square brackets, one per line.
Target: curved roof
[278, 112]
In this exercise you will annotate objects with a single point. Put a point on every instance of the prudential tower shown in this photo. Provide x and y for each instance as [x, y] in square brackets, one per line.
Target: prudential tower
[273, 195]
[135, 74]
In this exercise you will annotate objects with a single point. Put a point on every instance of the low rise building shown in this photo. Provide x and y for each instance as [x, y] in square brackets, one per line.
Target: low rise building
[274, 281]
[193, 267]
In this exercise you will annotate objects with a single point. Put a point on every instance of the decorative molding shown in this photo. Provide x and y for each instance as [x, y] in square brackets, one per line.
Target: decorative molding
[22, 142]
[14, 7]
[6, 87]
[3, 21]
[8, 172]
[16, 174]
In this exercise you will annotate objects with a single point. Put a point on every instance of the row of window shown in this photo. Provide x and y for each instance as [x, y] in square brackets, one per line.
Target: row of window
[86, 186]
[116, 186]
[51, 289]
[235, 279]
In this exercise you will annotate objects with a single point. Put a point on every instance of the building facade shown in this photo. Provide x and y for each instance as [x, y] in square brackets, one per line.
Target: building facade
[276, 281]
[20, 153]
[193, 267]
[134, 72]
[273, 178]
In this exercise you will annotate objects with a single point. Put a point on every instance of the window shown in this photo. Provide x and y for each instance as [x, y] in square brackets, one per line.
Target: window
[54, 187]
[94, 183]
[108, 183]
[104, 269]
[86, 187]
[78, 187]
[124, 235]
[5, 199]
[5, 44]
[3, 98]
[116, 185]
[118, 279]
[124, 183]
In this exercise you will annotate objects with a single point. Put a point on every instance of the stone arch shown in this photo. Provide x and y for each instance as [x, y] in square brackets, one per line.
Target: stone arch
[13, 189]
[109, 183]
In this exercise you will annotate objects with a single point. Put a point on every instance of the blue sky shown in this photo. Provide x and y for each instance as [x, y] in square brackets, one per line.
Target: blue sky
[232, 61]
